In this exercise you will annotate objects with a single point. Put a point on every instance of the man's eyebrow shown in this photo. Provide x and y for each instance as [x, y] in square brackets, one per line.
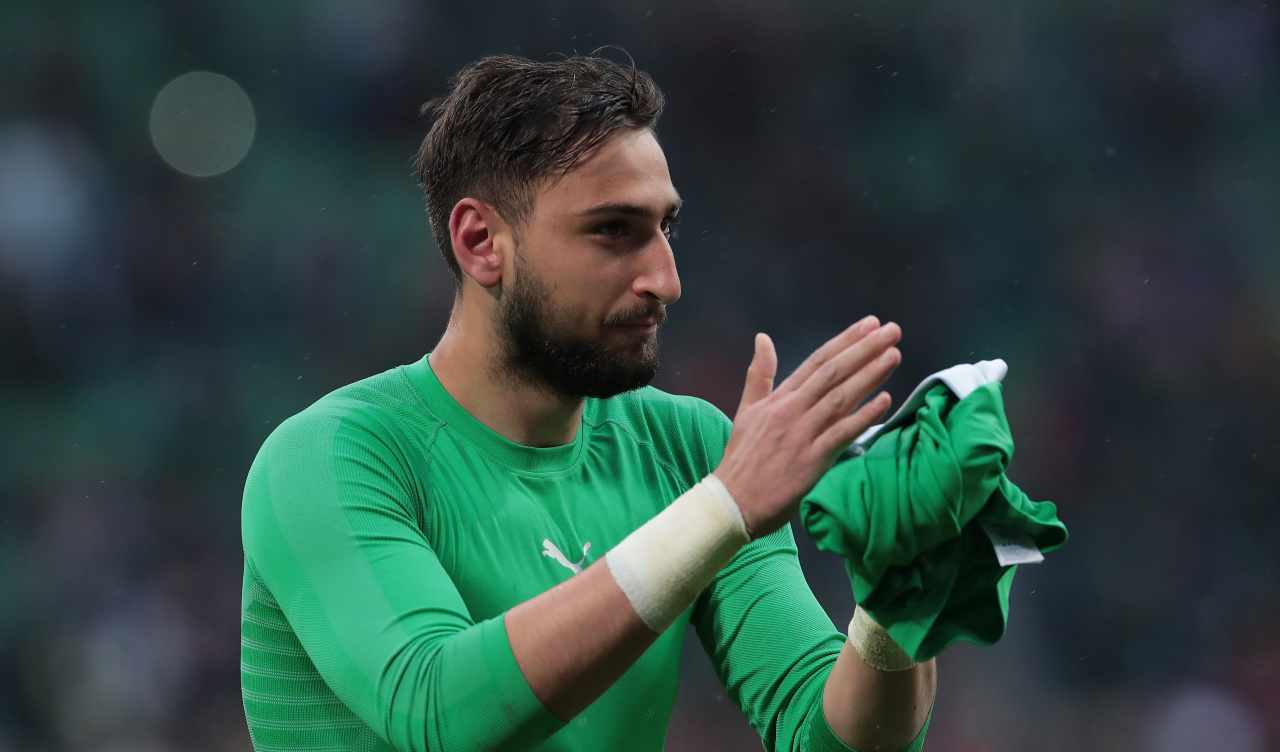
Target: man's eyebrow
[634, 210]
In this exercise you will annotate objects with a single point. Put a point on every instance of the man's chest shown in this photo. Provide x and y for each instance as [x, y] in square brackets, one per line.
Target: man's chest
[504, 540]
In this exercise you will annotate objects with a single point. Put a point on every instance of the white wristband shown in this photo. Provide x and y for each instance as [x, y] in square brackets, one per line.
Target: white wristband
[664, 564]
[873, 643]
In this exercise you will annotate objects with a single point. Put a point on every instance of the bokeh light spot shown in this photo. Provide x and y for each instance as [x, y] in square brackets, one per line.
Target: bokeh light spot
[202, 123]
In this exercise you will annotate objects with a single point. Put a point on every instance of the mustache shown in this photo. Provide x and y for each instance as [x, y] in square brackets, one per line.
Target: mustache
[631, 318]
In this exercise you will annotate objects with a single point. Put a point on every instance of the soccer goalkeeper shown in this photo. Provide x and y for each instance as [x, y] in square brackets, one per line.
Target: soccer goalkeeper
[500, 545]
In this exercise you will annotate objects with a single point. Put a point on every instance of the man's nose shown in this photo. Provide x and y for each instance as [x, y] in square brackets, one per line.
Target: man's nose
[659, 277]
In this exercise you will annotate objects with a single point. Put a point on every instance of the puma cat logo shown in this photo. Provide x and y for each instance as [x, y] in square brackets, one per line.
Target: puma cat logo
[550, 551]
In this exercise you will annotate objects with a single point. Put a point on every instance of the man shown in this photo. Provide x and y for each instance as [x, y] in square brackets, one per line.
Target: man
[499, 546]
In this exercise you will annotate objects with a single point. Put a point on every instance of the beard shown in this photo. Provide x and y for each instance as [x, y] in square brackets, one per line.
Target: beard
[537, 349]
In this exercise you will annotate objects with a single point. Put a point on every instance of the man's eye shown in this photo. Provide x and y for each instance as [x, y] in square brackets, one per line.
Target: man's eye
[669, 228]
[611, 229]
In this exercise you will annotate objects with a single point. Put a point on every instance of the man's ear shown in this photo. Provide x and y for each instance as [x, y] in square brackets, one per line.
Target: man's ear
[473, 230]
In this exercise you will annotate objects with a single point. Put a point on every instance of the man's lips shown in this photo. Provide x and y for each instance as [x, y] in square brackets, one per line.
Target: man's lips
[655, 319]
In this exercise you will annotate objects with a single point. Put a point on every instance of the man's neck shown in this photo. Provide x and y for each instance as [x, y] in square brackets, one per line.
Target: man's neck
[463, 362]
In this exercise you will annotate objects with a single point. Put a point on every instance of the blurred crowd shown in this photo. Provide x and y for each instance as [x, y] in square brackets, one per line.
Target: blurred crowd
[1087, 190]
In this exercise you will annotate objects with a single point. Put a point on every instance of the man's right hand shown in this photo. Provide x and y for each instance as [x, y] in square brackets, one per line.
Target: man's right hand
[784, 439]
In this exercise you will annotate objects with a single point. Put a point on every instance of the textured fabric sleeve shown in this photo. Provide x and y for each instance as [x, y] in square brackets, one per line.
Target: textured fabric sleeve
[329, 526]
[769, 640]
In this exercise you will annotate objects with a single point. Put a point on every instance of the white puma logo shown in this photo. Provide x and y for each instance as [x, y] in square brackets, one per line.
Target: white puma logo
[550, 551]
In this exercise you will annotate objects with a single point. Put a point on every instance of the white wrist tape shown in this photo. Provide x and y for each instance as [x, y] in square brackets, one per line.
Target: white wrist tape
[664, 564]
[873, 643]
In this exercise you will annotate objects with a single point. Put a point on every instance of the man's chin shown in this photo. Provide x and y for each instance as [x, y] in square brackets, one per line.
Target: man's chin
[621, 372]
[600, 369]
[619, 381]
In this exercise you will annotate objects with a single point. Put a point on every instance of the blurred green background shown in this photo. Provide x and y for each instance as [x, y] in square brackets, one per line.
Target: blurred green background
[1088, 190]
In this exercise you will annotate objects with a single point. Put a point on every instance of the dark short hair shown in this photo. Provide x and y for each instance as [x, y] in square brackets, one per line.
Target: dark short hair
[508, 122]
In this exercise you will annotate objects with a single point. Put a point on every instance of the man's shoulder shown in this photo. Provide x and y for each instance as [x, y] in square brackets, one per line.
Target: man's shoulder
[380, 405]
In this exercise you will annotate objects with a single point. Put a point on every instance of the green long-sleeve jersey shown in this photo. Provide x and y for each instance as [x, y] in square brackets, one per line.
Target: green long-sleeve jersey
[386, 531]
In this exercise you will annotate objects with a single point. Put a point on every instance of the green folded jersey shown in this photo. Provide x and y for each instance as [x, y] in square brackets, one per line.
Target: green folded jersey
[910, 518]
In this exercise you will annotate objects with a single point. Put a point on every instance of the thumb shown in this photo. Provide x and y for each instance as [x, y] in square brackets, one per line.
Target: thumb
[764, 366]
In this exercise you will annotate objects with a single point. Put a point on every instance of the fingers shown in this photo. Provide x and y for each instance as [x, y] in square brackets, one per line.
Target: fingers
[832, 374]
[842, 433]
[829, 350]
[838, 401]
[761, 372]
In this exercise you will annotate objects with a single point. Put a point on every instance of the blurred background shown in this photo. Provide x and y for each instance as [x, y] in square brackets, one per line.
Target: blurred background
[207, 221]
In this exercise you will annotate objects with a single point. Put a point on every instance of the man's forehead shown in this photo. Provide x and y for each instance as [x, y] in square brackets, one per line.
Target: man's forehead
[628, 170]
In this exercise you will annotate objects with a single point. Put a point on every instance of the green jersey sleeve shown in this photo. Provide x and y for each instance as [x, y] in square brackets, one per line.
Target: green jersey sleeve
[332, 538]
[769, 640]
